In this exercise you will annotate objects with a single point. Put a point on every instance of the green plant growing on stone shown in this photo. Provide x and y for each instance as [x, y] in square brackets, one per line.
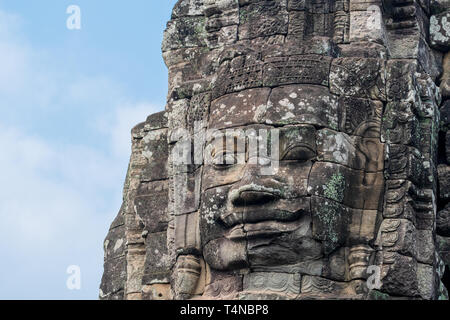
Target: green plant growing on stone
[335, 188]
[330, 214]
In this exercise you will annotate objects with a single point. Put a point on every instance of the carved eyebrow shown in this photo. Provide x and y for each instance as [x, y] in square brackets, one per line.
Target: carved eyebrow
[300, 139]
[298, 135]
[222, 142]
[292, 137]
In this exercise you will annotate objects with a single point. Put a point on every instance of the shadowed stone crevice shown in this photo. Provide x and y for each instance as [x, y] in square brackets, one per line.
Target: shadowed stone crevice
[446, 277]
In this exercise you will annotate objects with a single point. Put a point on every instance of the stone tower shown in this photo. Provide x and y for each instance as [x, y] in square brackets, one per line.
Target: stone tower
[304, 153]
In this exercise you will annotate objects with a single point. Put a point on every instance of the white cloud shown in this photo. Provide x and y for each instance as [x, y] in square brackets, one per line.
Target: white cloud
[57, 196]
[118, 125]
[49, 80]
[92, 90]
[10, 25]
[14, 55]
[57, 202]
[46, 190]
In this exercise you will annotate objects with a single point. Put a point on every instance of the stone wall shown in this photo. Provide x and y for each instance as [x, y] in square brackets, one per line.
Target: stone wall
[440, 41]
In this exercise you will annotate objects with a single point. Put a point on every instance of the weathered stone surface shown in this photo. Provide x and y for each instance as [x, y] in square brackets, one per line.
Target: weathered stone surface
[444, 181]
[302, 104]
[445, 116]
[187, 233]
[400, 278]
[443, 244]
[400, 84]
[364, 78]
[283, 284]
[113, 280]
[114, 277]
[406, 163]
[223, 286]
[445, 79]
[241, 109]
[294, 242]
[154, 156]
[363, 5]
[447, 146]
[425, 247]
[187, 8]
[329, 220]
[151, 205]
[294, 69]
[157, 291]
[399, 235]
[437, 6]
[187, 275]
[301, 151]
[339, 183]
[400, 126]
[193, 34]
[354, 113]
[425, 281]
[367, 25]
[322, 288]
[262, 19]
[440, 31]
[298, 142]
[239, 73]
[443, 221]
[157, 263]
[363, 49]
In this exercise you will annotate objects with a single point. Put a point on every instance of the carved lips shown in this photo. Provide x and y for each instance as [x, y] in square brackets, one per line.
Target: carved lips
[262, 229]
[267, 219]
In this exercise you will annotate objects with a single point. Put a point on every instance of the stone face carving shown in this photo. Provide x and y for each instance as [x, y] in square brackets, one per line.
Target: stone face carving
[303, 154]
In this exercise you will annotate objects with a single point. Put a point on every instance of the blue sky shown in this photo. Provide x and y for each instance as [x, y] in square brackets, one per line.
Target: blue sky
[68, 99]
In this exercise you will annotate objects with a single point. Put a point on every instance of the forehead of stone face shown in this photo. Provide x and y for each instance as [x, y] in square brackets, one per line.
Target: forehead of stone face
[290, 104]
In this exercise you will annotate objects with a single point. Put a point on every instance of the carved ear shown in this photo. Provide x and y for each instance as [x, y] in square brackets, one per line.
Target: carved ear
[370, 146]
[369, 129]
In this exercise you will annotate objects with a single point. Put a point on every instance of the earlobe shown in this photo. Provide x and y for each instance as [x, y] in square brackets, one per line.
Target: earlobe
[372, 152]
[370, 147]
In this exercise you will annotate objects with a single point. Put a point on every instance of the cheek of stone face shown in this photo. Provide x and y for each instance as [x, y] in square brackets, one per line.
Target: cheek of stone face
[213, 207]
[292, 178]
[219, 252]
[330, 222]
[223, 254]
[213, 177]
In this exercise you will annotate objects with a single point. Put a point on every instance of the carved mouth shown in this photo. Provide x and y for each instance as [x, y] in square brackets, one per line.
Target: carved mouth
[266, 221]
[265, 229]
[282, 211]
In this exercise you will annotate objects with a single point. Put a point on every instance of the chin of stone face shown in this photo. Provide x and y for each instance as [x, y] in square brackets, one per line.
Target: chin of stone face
[304, 153]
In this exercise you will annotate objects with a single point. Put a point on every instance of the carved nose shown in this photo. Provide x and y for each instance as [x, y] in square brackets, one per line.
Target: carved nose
[253, 197]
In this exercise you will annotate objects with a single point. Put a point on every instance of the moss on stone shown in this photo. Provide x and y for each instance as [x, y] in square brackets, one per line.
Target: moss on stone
[378, 295]
[329, 215]
[335, 188]
[243, 16]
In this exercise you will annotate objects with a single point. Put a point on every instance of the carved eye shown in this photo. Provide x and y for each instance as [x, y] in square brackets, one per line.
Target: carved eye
[224, 160]
[298, 153]
[298, 143]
